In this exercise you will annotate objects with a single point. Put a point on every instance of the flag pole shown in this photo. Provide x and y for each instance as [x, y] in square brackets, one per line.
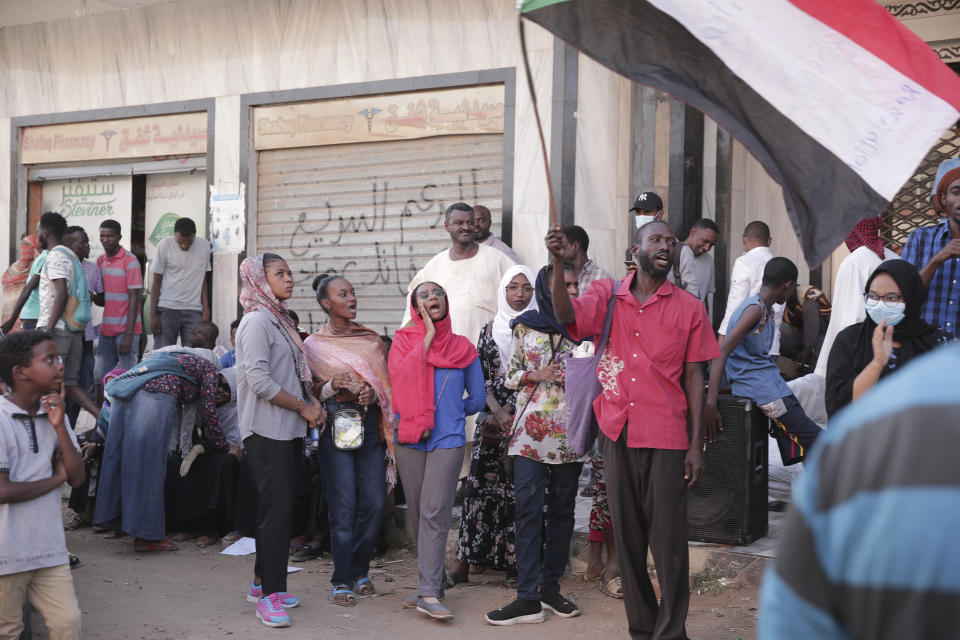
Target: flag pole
[536, 114]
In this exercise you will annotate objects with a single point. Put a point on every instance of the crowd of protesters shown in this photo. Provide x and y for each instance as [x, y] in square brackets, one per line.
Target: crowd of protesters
[470, 401]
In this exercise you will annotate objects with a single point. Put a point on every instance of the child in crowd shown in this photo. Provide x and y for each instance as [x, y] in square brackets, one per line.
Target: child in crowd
[752, 372]
[38, 453]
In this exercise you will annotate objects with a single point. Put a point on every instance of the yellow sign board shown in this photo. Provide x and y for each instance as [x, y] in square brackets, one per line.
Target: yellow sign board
[149, 136]
[395, 116]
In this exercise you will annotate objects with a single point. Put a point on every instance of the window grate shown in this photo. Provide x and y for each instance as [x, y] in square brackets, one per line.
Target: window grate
[911, 208]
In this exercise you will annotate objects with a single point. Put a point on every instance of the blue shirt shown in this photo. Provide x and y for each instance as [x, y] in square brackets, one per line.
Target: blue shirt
[452, 408]
[229, 359]
[870, 549]
[750, 368]
[942, 308]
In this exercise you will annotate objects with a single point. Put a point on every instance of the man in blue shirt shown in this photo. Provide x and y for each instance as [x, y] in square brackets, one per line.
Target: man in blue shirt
[745, 357]
[935, 251]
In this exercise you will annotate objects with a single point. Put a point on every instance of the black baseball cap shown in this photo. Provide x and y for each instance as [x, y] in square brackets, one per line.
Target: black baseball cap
[647, 201]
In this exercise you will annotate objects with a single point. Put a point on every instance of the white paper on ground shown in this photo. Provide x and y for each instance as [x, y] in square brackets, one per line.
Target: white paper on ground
[293, 569]
[242, 547]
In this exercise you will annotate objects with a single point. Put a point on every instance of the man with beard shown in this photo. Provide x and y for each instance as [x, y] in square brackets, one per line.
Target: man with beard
[482, 221]
[652, 383]
[469, 273]
[935, 251]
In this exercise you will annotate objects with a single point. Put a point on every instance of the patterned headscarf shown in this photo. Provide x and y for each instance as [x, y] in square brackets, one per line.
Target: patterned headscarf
[255, 293]
[947, 172]
[867, 234]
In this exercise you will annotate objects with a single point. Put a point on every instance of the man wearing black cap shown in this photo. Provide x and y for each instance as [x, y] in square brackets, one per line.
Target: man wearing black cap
[648, 207]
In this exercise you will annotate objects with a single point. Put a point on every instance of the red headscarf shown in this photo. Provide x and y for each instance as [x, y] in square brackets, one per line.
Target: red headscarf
[411, 371]
[867, 234]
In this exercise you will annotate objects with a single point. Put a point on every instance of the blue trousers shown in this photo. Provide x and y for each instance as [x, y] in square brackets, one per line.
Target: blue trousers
[134, 464]
[530, 479]
[354, 485]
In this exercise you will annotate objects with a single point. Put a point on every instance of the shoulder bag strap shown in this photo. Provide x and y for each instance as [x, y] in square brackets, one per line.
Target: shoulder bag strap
[607, 321]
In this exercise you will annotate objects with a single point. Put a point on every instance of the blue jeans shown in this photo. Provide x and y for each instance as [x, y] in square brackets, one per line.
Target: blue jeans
[108, 355]
[175, 323]
[134, 465]
[530, 479]
[354, 485]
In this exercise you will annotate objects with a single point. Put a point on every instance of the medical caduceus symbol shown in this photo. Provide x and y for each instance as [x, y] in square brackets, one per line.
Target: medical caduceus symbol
[368, 114]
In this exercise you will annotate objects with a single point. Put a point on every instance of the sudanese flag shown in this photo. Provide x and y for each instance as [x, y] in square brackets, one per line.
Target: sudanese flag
[837, 99]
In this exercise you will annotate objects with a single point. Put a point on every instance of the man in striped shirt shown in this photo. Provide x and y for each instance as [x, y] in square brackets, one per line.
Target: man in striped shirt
[870, 550]
[120, 330]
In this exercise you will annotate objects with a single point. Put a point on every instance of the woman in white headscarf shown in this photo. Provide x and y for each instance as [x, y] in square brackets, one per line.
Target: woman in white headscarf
[486, 527]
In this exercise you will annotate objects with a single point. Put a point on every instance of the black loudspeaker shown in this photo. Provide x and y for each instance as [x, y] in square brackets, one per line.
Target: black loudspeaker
[729, 504]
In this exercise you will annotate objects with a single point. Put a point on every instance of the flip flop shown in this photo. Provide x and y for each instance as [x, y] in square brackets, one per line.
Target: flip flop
[364, 587]
[156, 545]
[349, 600]
[614, 588]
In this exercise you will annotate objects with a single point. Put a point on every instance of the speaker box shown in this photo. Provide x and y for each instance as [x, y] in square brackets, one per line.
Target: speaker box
[729, 503]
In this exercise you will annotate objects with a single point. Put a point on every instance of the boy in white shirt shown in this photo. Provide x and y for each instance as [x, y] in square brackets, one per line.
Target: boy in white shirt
[38, 453]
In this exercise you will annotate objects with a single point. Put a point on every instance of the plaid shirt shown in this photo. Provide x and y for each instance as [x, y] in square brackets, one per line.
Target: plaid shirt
[942, 308]
[590, 272]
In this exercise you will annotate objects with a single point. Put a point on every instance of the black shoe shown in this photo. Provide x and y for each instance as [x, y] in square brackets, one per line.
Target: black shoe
[517, 612]
[555, 602]
[310, 552]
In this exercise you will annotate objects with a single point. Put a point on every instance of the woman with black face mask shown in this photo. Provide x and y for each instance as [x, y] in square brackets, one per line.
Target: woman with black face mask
[892, 334]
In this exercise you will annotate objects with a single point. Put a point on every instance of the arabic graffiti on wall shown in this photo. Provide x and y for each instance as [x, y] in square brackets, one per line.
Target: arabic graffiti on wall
[106, 139]
[86, 202]
[419, 114]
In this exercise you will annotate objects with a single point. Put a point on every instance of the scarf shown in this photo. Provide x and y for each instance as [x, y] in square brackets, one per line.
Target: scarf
[866, 234]
[15, 278]
[501, 330]
[542, 318]
[411, 371]
[947, 172]
[255, 294]
[360, 351]
[914, 335]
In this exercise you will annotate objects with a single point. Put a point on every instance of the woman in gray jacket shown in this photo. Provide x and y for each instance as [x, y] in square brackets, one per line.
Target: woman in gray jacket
[275, 410]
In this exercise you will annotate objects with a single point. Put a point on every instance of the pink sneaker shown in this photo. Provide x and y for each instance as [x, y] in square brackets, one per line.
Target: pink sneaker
[270, 611]
[256, 592]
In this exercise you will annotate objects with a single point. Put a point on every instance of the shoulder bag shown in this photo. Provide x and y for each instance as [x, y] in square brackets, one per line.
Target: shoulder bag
[582, 387]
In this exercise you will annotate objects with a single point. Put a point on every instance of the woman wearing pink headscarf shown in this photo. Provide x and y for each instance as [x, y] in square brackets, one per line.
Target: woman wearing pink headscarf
[275, 409]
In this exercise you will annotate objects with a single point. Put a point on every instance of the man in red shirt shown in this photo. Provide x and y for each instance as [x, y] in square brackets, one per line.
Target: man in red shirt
[652, 386]
[121, 330]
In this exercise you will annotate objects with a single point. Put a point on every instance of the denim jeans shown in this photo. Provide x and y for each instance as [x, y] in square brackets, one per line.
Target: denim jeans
[175, 323]
[108, 355]
[354, 485]
[530, 479]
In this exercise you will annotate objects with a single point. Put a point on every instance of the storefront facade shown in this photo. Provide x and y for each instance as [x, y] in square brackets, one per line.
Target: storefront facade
[342, 130]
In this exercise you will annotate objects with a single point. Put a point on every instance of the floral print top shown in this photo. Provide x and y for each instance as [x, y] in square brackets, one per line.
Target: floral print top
[494, 374]
[540, 426]
[205, 373]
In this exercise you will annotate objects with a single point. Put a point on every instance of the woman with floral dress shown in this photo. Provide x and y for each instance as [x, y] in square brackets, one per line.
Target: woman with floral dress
[487, 527]
[543, 461]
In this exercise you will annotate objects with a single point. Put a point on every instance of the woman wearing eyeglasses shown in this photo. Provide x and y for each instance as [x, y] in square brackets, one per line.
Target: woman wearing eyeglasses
[487, 531]
[892, 334]
[431, 368]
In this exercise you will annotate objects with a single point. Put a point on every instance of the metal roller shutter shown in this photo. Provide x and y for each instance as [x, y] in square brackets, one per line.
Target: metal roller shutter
[370, 211]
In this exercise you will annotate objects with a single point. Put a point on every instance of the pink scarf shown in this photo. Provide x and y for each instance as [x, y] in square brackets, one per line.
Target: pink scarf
[255, 293]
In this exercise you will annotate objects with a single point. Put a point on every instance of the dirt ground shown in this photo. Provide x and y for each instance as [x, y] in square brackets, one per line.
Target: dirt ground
[198, 594]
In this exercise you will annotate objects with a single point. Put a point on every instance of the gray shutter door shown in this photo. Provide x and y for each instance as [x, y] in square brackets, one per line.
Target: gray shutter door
[372, 212]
